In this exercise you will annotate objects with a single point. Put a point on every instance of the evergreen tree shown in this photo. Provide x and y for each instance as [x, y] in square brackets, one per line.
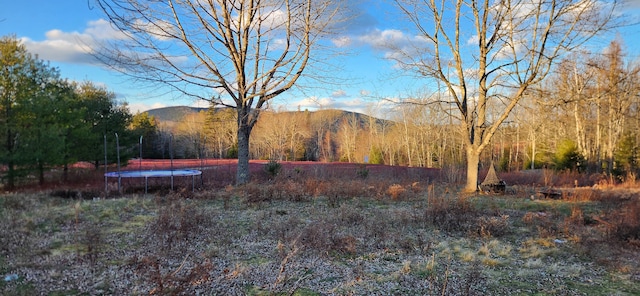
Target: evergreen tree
[626, 156]
[568, 157]
[145, 126]
[106, 119]
[27, 85]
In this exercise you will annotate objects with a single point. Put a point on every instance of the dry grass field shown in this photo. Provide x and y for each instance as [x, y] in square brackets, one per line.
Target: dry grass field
[323, 230]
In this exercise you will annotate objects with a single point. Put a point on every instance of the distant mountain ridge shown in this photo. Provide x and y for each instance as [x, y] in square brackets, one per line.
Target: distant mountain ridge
[177, 113]
[174, 114]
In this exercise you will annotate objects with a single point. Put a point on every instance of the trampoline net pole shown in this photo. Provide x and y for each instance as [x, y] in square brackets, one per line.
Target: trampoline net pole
[140, 163]
[106, 188]
[118, 156]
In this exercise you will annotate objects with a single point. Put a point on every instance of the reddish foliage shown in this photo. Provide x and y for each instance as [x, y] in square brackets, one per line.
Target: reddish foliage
[218, 173]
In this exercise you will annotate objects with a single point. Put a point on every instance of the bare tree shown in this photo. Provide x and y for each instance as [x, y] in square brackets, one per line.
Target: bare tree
[572, 84]
[617, 91]
[489, 53]
[221, 131]
[238, 53]
[598, 91]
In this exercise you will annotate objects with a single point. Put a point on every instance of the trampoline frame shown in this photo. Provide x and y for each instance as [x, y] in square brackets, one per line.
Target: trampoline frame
[155, 174]
[146, 174]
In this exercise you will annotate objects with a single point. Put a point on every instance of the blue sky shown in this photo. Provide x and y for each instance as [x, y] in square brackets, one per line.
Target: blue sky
[58, 32]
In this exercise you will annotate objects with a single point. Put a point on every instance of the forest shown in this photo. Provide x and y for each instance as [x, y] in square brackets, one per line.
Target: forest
[583, 117]
[48, 122]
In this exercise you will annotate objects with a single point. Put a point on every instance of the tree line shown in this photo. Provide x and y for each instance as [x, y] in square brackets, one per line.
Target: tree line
[589, 111]
[47, 121]
[585, 118]
[242, 54]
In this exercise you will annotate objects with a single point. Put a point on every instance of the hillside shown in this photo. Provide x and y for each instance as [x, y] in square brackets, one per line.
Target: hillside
[174, 114]
[177, 113]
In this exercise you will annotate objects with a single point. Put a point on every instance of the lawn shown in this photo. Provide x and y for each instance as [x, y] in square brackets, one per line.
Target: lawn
[301, 234]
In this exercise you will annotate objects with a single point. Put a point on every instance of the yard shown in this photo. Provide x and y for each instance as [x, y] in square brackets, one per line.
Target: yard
[306, 231]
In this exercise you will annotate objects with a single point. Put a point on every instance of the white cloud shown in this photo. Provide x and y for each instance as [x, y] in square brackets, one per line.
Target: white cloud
[72, 47]
[381, 40]
[473, 40]
[324, 103]
[342, 41]
[394, 45]
[141, 107]
[161, 30]
[339, 94]
[103, 30]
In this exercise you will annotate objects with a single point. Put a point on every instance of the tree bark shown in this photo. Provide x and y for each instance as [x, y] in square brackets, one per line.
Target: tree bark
[244, 132]
[473, 161]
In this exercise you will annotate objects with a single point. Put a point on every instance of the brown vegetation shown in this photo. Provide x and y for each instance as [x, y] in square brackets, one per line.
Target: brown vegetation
[310, 230]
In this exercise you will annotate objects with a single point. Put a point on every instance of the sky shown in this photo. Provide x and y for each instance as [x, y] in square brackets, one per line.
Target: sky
[58, 31]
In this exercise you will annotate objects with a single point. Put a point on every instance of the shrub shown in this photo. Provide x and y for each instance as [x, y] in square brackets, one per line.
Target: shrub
[450, 214]
[291, 190]
[396, 191]
[232, 152]
[376, 156]
[451, 174]
[538, 164]
[93, 242]
[625, 223]
[255, 193]
[362, 172]
[568, 157]
[178, 221]
[492, 226]
[273, 168]
[503, 164]
[171, 282]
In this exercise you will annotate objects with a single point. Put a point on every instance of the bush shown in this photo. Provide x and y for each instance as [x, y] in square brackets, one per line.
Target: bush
[273, 168]
[177, 222]
[376, 156]
[450, 214]
[568, 157]
[232, 152]
[363, 172]
[396, 191]
[537, 165]
[625, 223]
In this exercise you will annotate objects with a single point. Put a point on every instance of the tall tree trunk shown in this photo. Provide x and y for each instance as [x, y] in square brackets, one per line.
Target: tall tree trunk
[242, 175]
[11, 172]
[533, 150]
[473, 161]
[40, 173]
[65, 173]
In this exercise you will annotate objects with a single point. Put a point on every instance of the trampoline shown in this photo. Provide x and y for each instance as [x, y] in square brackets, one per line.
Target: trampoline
[154, 174]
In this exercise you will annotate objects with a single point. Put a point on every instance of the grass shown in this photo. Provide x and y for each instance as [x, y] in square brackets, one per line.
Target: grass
[317, 237]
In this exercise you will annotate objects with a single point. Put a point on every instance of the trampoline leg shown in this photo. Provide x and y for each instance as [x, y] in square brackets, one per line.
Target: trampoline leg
[146, 183]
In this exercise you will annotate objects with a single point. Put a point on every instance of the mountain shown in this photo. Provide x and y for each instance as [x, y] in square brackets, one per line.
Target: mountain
[173, 114]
